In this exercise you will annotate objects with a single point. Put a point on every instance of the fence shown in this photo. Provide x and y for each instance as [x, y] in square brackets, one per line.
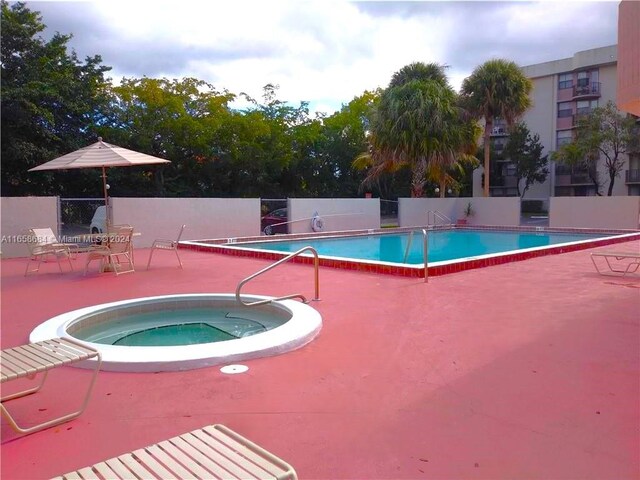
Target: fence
[75, 215]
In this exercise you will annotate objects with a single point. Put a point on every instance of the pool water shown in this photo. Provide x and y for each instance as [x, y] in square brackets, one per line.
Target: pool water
[183, 334]
[443, 244]
[186, 326]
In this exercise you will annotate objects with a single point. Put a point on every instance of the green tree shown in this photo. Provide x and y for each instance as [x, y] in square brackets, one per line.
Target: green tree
[609, 135]
[576, 156]
[343, 138]
[185, 121]
[525, 153]
[495, 89]
[49, 102]
[417, 124]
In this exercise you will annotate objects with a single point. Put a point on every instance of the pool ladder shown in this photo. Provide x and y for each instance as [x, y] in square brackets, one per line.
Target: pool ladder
[425, 251]
[316, 263]
[437, 215]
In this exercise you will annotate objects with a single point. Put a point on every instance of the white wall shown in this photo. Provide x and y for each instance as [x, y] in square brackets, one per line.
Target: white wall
[20, 213]
[413, 211]
[336, 213]
[504, 211]
[595, 212]
[205, 218]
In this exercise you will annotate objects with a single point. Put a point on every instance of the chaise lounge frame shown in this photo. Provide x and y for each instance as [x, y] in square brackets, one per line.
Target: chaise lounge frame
[27, 361]
[620, 269]
[213, 452]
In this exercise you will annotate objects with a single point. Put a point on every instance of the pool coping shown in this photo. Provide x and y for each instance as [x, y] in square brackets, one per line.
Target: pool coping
[232, 246]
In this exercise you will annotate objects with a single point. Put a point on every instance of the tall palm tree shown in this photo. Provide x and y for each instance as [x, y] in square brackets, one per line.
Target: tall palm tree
[496, 89]
[417, 123]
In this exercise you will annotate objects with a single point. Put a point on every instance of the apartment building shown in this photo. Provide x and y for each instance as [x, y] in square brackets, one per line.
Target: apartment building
[628, 95]
[563, 91]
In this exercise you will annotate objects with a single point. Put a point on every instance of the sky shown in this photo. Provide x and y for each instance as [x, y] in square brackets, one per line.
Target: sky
[325, 52]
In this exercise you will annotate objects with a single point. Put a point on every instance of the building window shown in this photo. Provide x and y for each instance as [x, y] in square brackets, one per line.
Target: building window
[565, 109]
[584, 107]
[563, 137]
[583, 79]
[565, 80]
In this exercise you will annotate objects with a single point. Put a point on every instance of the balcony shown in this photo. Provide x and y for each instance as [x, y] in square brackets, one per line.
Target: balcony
[632, 176]
[499, 131]
[571, 180]
[502, 181]
[581, 113]
[589, 90]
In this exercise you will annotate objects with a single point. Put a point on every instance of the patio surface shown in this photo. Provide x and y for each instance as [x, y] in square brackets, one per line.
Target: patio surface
[523, 370]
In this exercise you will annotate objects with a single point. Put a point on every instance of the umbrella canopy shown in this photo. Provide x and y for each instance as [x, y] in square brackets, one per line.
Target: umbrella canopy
[100, 155]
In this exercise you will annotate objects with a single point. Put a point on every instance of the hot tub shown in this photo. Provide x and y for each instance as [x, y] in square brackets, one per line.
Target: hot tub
[183, 332]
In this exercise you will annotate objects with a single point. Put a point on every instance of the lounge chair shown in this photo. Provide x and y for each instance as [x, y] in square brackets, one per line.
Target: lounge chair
[211, 452]
[117, 253]
[626, 263]
[42, 245]
[166, 245]
[38, 358]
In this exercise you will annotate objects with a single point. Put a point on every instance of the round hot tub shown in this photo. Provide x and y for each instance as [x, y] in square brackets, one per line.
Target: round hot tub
[182, 332]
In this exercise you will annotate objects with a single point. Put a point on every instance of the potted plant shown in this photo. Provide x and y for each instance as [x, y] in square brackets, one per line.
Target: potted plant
[468, 212]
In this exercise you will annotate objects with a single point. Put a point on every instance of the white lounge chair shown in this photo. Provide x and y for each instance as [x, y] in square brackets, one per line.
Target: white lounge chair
[27, 361]
[166, 245]
[618, 264]
[211, 452]
[42, 244]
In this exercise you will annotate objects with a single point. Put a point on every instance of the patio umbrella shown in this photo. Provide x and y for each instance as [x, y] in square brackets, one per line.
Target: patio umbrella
[100, 155]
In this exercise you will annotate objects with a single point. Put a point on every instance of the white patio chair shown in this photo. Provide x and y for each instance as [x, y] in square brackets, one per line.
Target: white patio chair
[117, 253]
[41, 248]
[161, 244]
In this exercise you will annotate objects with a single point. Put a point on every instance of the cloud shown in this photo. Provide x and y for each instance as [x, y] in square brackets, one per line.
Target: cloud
[324, 52]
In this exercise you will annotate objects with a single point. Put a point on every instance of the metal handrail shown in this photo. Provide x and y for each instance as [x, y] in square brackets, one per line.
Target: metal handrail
[437, 215]
[425, 253]
[316, 263]
[406, 251]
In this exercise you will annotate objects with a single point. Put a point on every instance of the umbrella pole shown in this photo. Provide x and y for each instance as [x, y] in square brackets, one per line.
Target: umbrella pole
[106, 196]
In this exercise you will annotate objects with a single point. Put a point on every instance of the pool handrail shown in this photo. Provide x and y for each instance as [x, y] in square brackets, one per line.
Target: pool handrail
[437, 215]
[425, 253]
[316, 263]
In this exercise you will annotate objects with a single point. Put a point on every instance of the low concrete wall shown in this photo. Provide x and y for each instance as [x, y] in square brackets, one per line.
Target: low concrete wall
[486, 211]
[20, 213]
[204, 217]
[413, 211]
[595, 212]
[336, 213]
[502, 211]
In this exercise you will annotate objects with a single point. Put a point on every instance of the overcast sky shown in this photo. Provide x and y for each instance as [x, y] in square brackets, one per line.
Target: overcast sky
[321, 51]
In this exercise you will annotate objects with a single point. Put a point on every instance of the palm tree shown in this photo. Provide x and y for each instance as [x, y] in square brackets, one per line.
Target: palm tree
[417, 124]
[496, 89]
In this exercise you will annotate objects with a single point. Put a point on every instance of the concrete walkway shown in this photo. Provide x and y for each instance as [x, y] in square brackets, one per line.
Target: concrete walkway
[523, 370]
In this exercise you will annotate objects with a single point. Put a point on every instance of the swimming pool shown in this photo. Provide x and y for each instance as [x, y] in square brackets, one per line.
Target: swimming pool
[443, 245]
[450, 249]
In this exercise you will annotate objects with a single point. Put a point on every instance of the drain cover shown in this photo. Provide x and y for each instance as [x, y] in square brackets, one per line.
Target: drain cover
[231, 369]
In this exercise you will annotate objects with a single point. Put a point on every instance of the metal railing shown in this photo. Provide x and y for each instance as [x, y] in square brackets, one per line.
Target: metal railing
[316, 263]
[632, 176]
[589, 89]
[437, 215]
[425, 251]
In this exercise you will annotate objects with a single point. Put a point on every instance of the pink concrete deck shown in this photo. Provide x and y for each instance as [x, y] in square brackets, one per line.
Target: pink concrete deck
[523, 370]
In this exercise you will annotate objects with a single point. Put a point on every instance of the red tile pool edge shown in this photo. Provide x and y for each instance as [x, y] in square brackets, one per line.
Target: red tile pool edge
[418, 272]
